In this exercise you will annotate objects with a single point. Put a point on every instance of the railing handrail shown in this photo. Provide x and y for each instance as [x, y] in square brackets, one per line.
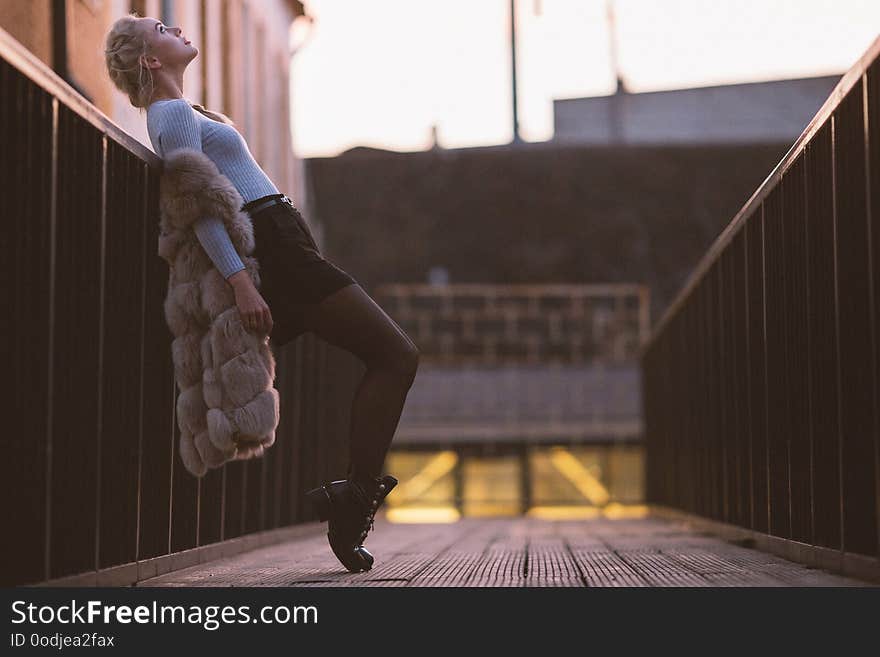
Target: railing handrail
[846, 83]
[585, 289]
[36, 70]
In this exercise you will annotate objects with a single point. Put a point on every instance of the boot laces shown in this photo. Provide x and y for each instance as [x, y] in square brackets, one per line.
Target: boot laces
[369, 519]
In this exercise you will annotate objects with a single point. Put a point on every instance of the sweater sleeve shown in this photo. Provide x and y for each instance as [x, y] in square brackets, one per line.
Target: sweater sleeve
[179, 129]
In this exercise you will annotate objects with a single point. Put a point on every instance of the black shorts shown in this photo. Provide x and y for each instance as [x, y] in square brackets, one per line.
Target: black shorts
[293, 273]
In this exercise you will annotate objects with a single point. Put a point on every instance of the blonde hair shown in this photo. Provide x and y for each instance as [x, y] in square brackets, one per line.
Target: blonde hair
[124, 46]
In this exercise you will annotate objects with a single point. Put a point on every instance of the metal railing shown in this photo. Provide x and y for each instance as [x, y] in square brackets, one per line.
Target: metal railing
[760, 382]
[92, 477]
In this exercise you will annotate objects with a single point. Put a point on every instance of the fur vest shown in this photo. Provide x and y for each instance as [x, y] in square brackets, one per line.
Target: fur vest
[227, 407]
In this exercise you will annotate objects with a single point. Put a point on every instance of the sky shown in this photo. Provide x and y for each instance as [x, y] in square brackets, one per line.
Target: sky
[383, 73]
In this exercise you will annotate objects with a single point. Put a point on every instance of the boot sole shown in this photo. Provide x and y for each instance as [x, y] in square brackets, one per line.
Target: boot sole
[356, 560]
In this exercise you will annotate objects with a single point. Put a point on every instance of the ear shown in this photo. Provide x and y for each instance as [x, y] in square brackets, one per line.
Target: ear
[150, 61]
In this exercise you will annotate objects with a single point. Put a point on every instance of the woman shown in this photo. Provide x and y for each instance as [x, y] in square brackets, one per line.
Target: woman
[300, 290]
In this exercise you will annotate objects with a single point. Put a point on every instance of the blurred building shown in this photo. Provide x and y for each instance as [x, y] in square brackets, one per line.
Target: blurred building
[243, 66]
[752, 113]
[527, 400]
[536, 213]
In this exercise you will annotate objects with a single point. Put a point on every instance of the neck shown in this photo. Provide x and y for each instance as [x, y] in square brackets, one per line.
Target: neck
[170, 87]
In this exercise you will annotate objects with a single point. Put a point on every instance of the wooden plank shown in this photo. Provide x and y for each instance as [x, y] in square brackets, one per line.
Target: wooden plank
[606, 569]
[512, 552]
[447, 570]
[658, 569]
[551, 561]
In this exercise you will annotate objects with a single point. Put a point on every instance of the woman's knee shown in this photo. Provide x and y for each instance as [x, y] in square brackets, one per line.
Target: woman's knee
[350, 319]
[410, 361]
[403, 360]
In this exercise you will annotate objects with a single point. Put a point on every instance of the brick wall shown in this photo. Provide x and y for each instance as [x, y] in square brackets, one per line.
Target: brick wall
[502, 324]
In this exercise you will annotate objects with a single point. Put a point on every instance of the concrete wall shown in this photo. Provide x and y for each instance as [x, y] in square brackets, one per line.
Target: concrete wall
[537, 214]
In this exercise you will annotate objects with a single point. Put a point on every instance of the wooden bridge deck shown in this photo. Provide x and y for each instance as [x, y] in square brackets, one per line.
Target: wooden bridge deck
[519, 552]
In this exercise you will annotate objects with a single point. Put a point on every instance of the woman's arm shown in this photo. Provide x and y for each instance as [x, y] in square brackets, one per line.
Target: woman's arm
[215, 240]
[179, 129]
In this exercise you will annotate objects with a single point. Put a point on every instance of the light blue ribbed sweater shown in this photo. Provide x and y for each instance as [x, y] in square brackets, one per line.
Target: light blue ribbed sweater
[172, 124]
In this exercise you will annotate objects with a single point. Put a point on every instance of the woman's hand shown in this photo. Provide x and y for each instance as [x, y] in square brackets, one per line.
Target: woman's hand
[255, 313]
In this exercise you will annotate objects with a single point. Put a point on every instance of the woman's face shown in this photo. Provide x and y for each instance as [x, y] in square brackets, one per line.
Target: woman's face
[168, 45]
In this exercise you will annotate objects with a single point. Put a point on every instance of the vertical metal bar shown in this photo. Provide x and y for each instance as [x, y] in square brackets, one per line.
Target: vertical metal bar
[720, 374]
[242, 516]
[748, 390]
[764, 338]
[712, 480]
[787, 302]
[866, 107]
[199, 508]
[295, 441]
[171, 460]
[263, 496]
[223, 506]
[145, 213]
[50, 374]
[740, 492]
[279, 462]
[855, 322]
[101, 297]
[810, 433]
[833, 121]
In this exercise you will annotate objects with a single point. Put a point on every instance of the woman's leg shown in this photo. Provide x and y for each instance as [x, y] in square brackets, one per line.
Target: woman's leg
[350, 319]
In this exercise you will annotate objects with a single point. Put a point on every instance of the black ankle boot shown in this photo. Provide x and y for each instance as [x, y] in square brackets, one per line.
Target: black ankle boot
[350, 505]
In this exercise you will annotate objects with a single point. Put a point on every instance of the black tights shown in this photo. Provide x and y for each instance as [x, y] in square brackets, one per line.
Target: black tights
[350, 319]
